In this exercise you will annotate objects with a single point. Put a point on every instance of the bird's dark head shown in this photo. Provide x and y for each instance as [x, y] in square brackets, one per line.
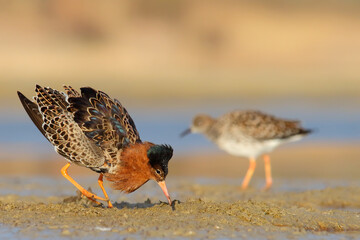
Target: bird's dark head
[159, 157]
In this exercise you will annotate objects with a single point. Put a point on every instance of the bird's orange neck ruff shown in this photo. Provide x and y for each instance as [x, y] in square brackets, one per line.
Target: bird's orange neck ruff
[133, 169]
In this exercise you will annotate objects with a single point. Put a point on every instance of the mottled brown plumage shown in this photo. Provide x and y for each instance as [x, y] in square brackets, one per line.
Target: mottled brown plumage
[92, 130]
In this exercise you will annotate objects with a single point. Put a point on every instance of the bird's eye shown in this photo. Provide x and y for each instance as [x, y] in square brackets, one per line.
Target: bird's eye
[158, 171]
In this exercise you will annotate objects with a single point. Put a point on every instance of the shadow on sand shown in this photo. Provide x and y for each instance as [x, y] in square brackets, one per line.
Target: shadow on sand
[145, 204]
[87, 202]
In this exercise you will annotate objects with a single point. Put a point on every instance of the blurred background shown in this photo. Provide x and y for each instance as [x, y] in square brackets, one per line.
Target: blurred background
[168, 60]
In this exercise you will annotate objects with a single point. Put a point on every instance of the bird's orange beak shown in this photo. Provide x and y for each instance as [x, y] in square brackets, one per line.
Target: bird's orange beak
[164, 188]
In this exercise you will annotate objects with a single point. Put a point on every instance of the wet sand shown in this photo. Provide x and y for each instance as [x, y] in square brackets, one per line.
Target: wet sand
[316, 195]
[332, 212]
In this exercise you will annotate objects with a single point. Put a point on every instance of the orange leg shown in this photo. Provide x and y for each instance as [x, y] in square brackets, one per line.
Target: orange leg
[86, 193]
[267, 172]
[249, 174]
[100, 181]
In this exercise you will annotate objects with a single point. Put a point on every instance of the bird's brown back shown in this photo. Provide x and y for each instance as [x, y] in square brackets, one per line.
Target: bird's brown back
[261, 126]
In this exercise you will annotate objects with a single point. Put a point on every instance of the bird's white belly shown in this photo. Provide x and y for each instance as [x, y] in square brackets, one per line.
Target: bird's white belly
[250, 149]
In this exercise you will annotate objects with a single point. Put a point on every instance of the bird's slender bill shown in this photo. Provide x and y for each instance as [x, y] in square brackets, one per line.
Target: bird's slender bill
[186, 132]
[163, 187]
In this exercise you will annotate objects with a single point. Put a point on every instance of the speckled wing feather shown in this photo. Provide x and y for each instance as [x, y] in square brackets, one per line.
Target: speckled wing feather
[103, 120]
[264, 127]
[71, 92]
[32, 110]
[63, 132]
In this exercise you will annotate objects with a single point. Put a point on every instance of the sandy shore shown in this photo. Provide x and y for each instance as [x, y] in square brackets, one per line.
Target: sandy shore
[332, 212]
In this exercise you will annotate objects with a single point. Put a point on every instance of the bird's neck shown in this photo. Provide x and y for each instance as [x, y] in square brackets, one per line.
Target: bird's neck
[133, 169]
[212, 132]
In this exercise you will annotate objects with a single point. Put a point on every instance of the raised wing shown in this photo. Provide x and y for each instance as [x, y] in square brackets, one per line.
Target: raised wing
[262, 126]
[50, 115]
[103, 120]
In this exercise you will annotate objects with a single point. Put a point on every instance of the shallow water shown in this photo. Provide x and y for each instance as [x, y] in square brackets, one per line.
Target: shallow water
[332, 121]
[7, 233]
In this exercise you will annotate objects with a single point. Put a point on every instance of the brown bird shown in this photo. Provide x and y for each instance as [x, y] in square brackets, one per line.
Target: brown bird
[94, 131]
[248, 134]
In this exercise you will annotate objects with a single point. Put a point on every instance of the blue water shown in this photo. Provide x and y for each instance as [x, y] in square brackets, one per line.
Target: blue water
[11, 233]
[332, 121]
